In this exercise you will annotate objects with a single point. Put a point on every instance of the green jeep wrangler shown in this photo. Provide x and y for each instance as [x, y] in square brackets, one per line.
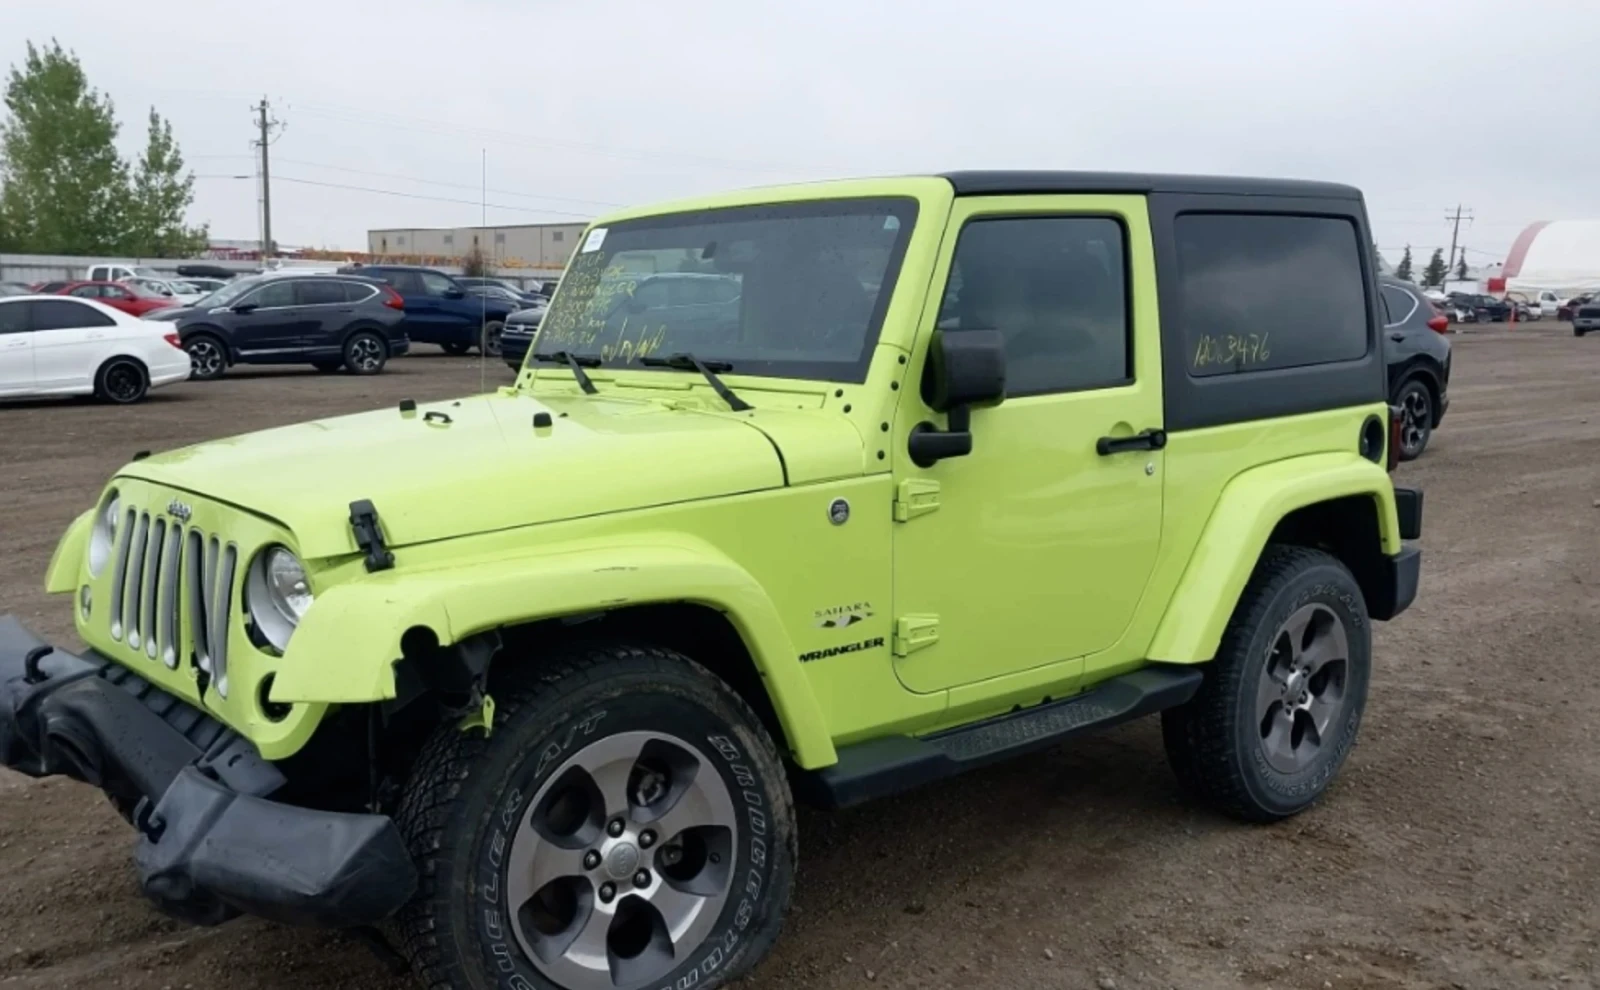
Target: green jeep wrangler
[910, 476]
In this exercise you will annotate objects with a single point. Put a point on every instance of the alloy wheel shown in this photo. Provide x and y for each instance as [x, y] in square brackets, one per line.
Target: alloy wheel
[1416, 420]
[205, 358]
[366, 354]
[622, 862]
[1301, 694]
[124, 383]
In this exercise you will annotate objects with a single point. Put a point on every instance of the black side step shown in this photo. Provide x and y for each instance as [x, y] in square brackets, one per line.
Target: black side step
[881, 767]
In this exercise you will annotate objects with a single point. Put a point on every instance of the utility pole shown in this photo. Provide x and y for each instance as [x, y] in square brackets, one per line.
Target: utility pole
[266, 125]
[1455, 232]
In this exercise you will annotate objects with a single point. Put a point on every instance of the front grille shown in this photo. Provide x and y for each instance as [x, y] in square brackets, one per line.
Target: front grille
[1589, 312]
[166, 574]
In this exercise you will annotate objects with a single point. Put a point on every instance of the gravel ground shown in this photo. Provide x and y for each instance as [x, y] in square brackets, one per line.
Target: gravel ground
[1459, 849]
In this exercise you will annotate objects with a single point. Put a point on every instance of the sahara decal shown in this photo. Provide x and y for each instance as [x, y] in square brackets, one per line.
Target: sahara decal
[842, 616]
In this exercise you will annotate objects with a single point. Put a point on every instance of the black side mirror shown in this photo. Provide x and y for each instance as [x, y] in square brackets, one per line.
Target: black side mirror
[965, 368]
[454, 294]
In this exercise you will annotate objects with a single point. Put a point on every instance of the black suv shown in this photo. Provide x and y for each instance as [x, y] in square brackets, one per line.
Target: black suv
[440, 310]
[331, 322]
[1418, 355]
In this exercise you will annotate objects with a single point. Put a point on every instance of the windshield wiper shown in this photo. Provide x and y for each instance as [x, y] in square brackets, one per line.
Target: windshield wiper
[688, 362]
[577, 362]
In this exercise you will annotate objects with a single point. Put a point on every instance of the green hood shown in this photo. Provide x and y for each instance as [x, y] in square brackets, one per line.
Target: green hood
[487, 468]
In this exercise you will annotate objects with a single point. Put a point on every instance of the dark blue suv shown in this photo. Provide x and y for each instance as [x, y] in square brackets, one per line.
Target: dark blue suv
[440, 311]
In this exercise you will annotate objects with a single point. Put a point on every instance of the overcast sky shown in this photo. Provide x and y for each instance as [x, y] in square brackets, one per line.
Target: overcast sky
[578, 105]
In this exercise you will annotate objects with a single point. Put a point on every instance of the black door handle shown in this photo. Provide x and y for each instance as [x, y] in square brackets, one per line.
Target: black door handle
[1148, 440]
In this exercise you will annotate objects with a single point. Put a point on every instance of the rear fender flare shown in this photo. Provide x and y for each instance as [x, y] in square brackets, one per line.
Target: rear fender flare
[345, 649]
[1249, 508]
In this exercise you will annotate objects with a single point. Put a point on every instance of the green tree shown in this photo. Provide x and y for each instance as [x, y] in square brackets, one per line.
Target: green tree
[1433, 275]
[1403, 270]
[161, 193]
[63, 190]
[1461, 269]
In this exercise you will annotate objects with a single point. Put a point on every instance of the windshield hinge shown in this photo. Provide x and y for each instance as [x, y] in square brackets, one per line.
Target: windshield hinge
[369, 535]
[916, 497]
[913, 632]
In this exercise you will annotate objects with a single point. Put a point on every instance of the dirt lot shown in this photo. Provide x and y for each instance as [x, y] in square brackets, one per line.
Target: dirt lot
[1460, 849]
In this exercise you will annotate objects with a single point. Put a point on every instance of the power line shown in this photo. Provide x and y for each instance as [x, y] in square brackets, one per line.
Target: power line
[352, 115]
[435, 199]
[451, 185]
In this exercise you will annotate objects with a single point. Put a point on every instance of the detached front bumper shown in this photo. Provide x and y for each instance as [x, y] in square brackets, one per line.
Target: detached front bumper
[211, 845]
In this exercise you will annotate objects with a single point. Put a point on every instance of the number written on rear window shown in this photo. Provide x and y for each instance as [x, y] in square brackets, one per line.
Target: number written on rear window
[1263, 292]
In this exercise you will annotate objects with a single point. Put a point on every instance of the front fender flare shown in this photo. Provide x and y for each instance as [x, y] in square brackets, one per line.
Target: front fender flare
[1249, 508]
[62, 574]
[345, 649]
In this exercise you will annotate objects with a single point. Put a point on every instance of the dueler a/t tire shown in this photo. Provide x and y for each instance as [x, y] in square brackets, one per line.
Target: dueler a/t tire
[469, 796]
[1215, 743]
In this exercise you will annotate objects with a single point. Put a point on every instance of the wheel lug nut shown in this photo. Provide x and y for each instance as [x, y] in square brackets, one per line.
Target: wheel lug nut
[647, 839]
[607, 892]
[591, 859]
[615, 828]
[642, 878]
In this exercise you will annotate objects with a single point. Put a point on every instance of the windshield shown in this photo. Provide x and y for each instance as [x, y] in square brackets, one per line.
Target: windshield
[228, 293]
[791, 290]
[142, 290]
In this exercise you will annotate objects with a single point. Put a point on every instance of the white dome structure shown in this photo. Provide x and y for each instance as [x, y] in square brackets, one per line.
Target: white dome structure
[1562, 256]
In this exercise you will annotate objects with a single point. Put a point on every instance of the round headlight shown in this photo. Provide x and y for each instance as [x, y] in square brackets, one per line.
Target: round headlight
[277, 594]
[103, 535]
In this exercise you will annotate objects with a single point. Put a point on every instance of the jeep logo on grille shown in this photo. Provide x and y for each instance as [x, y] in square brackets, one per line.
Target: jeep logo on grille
[178, 510]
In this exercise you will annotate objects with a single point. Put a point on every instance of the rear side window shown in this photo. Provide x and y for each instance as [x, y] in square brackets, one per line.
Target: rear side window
[66, 314]
[1399, 303]
[14, 317]
[1056, 288]
[1262, 292]
[315, 292]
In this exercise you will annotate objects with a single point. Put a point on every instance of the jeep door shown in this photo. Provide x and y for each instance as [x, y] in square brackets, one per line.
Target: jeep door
[1039, 546]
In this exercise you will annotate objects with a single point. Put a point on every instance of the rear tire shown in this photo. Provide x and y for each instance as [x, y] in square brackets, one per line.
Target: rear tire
[121, 381]
[208, 357]
[1578, 333]
[489, 340]
[365, 353]
[1263, 739]
[328, 367]
[523, 816]
[1416, 426]
[456, 349]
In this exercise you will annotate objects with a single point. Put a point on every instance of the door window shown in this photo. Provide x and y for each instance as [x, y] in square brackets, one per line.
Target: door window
[1056, 288]
[272, 295]
[435, 284]
[86, 292]
[407, 283]
[64, 314]
[14, 317]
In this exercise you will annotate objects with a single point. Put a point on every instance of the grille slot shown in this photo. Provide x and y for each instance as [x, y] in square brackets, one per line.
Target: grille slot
[133, 584]
[209, 569]
[147, 592]
[119, 573]
[169, 600]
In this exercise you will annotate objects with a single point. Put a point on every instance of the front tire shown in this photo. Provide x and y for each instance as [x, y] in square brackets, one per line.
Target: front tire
[122, 382]
[625, 793]
[1282, 702]
[455, 350]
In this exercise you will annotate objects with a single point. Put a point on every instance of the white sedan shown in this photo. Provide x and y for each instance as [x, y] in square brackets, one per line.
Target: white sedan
[61, 345]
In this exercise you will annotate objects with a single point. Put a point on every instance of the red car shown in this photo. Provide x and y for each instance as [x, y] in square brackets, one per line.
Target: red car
[131, 299]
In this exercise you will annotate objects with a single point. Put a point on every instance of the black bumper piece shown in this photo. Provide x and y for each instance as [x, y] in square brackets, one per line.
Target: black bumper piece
[211, 845]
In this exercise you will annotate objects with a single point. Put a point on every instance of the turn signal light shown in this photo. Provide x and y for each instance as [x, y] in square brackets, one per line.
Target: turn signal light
[1396, 422]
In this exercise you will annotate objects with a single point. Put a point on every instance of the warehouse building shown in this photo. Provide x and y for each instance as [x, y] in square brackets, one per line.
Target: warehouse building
[533, 245]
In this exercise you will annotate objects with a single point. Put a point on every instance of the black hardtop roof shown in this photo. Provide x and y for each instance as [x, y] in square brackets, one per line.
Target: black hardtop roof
[980, 183]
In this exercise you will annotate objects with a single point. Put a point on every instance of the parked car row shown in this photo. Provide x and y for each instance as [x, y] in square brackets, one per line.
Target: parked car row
[353, 320]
